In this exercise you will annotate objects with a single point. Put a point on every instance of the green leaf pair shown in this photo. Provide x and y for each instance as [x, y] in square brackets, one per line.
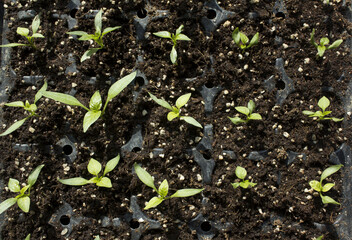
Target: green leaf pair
[94, 167]
[22, 199]
[97, 36]
[319, 187]
[30, 108]
[241, 173]
[174, 38]
[25, 33]
[175, 110]
[163, 189]
[241, 39]
[248, 111]
[94, 111]
[323, 103]
[323, 41]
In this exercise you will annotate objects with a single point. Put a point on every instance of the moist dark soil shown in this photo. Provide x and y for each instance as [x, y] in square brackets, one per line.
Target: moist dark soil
[281, 206]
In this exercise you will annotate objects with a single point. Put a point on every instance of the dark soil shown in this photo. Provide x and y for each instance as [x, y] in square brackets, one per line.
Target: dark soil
[281, 205]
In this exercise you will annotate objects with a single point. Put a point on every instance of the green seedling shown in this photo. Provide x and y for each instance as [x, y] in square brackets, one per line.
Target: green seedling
[25, 33]
[321, 237]
[174, 37]
[28, 237]
[163, 189]
[22, 199]
[94, 167]
[175, 110]
[97, 36]
[94, 111]
[321, 47]
[248, 111]
[323, 103]
[320, 188]
[241, 39]
[29, 108]
[241, 173]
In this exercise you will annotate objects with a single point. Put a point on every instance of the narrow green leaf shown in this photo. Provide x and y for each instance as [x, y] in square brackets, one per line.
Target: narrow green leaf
[78, 33]
[95, 101]
[98, 22]
[77, 181]
[255, 116]
[182, 37]
[32, 178]
[317, 114]
[179, 30]
[94, 167]
[144, 176]
[15, 104]
[335, 44]
[23, 190]
[327, 187]
[110, 29]
[14, 185]
[120, 85]
[155, 201]
[173, 55]
[337, 119]
[13, 45]
[323, 103]
[37, 35]
[236, 120]
[306, 112]
[35, 24]
[244, 38]
[187, 192]
[244, 184]
[24, 203]
[87, 54]
[86, 37]
[312, 40]
[23, 31]
[111, 164]
[172, 115]
[327, 199]
[104, 182]
[236, 36]
[28, 237]
[192, 121]
[64, 98]
[89, 118]
[329, 171]
[241, 172]
[243, 110]
[324, 41]
[315, 185]
[252, 184]
[235, 185]
[321, 50]
[163, 34]
[326, 113]
[7, 204]
[161, 102]
[163, 189]
[254, 40]
[182, 100]
[251, 106]
[14, 127]
[39, 94]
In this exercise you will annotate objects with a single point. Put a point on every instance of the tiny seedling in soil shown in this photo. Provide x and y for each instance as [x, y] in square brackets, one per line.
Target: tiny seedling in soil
[94, 111]
[163, 190]
[241, 173]
[320, 188]
[22, 199]
[323, 41]
[28, 237]
[241, 39]
[94, 167]
[25, 33]
[30, 109]
[248, 111]
[174, 37]
[97, 36]
[175, 110]
[323, 103]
